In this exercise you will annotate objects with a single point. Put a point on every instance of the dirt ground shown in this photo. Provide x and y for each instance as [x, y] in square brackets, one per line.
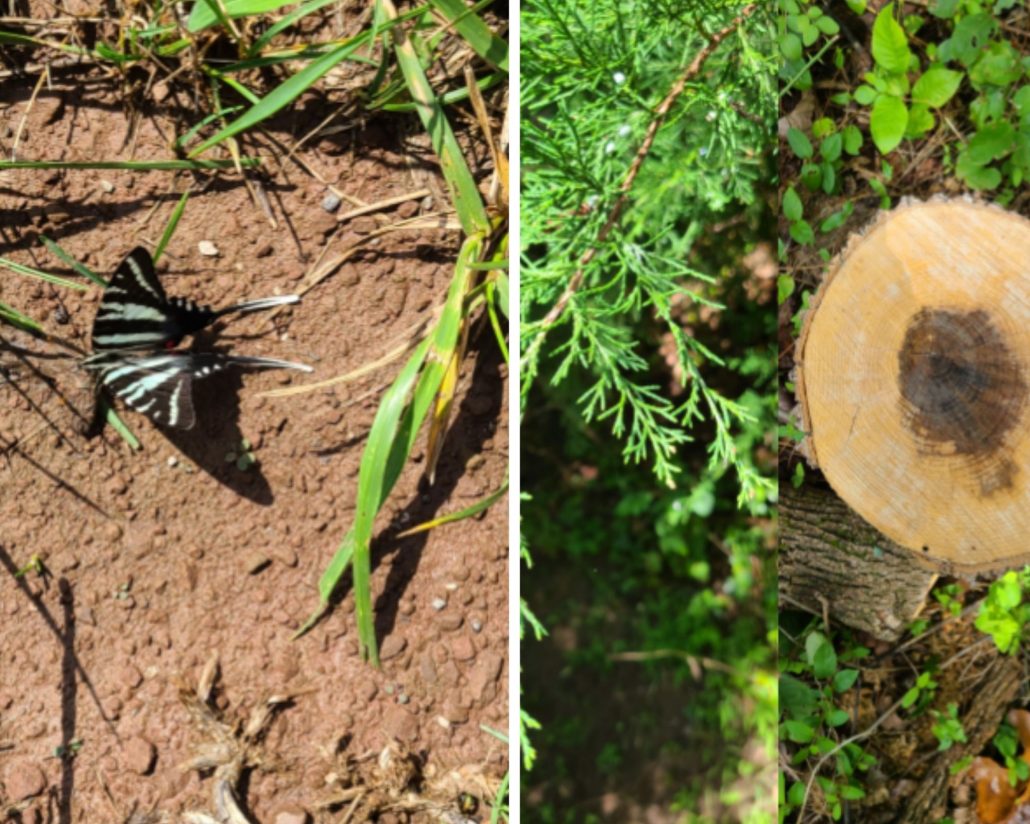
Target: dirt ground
[162, 558]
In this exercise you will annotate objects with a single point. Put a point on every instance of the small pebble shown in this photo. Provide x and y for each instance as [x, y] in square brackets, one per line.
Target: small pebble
[107, 186]
[139, 756]
[393, 646]
[256, 562]
[476, 624]
[24, 780]
[454, 712]
[173, 461]
[439, 603]
[462, 649]
[293, 816]
[330, 202]
[207, 248]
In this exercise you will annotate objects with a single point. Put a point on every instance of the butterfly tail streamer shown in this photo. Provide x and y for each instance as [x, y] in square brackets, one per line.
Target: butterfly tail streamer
[247, 362]
[259, 304]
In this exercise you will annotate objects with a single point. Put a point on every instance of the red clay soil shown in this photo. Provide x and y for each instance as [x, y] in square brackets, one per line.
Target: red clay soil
[161, 558]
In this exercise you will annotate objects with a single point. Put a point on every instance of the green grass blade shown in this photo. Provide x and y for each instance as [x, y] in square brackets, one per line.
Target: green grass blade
[241, 90]
[288, 55]
[448, 99]
[495, 322]
[500, 806]
[129, 165]
[462, 186]
[283, 95]
[285, 22]
[377, 475]
[173, 221]
[330, 579]
[502, 292]
[474, 32]
[393, 435]
[10, 315]
[36, 273]
[28, 40]
[81, 268]
[212, 7]
[182, 140]
[118, 425]
[203, 15]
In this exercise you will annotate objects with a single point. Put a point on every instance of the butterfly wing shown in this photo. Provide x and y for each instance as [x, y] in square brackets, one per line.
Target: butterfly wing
[161, 385]
[135, 312]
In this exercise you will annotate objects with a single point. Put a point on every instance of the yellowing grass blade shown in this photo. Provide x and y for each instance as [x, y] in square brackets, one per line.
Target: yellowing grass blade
[451, 356]
[442, 407]
[402, 411]
[467, 512]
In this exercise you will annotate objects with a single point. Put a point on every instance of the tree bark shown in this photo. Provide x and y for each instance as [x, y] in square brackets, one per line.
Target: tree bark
[994, 694]
[831, 561]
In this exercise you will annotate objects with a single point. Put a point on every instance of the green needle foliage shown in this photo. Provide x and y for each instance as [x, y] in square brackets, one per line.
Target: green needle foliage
[648, 370]
[593, 78]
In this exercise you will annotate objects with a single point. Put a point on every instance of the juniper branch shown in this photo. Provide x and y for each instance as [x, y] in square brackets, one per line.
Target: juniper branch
[556, 312]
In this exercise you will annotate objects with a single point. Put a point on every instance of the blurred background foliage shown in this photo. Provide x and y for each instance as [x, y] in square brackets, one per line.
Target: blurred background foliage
[648, 415]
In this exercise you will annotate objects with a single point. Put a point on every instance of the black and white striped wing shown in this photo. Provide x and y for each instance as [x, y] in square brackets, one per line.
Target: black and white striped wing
[135, 312]
[161, 385]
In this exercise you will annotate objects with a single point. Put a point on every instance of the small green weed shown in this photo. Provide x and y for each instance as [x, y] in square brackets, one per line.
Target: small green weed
[1005, 612]
[1006, 741]
[947, 728]
[811, 685]
[956, 76]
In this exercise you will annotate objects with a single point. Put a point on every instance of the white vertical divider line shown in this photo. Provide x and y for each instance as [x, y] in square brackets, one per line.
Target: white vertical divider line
[514, 426]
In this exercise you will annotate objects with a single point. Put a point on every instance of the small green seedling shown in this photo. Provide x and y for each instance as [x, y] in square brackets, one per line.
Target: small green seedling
[69, 750]
[35, 564]
[243, 457]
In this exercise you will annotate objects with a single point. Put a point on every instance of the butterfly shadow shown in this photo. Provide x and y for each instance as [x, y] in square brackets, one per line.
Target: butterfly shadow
[214, 444]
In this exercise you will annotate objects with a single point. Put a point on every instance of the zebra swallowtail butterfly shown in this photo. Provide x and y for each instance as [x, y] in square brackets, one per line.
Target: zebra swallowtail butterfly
[136, 330]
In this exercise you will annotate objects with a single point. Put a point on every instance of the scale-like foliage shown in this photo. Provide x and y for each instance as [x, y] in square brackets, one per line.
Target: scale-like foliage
[594, 75]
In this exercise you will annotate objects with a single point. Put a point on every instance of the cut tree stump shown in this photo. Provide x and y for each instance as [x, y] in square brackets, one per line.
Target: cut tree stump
[914, 377]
